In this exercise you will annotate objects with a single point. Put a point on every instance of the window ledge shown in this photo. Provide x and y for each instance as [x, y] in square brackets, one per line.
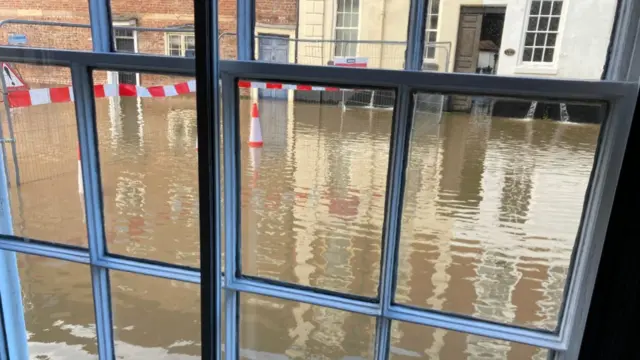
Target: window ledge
[537, 70]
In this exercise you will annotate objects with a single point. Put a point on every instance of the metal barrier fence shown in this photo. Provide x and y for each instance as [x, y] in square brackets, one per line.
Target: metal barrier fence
[378, 54]
[43, 140]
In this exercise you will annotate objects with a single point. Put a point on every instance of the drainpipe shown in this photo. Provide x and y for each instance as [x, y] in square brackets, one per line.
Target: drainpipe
[382, 27]
[295, 44]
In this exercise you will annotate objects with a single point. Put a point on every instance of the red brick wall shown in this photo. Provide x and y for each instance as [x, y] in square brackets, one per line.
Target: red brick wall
[276, 12]
[157, 13]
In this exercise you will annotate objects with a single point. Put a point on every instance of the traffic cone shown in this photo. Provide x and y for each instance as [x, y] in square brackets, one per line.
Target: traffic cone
[255, 135]
[80, 182]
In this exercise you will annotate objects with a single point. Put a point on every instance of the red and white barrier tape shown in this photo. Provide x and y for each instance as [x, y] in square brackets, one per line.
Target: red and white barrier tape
[33, 97]
[280, 86]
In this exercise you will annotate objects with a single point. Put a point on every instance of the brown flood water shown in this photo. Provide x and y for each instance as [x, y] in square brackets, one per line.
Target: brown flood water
[490, 217]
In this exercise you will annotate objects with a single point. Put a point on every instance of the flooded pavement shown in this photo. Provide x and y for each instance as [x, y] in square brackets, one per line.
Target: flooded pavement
[490, 216]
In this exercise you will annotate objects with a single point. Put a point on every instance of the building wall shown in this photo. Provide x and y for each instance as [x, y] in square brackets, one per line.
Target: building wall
[158, 13]
[585, 33]
[582, 45]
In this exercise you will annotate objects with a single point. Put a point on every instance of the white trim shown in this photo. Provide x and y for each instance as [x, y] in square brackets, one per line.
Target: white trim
[541, 67]
[357, 28]
[112, 76]
[183, 42]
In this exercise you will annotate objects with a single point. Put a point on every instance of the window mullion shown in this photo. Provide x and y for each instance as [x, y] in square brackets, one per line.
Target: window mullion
[100, 18]
[397, 161]
[416, 34]
[87, 137]
[13, 335]
[245, 26]
[231, 212]
[606, 171]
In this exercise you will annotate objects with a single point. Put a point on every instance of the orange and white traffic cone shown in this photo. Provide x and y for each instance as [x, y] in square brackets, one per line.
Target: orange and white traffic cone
[255, 134]
[80, 182]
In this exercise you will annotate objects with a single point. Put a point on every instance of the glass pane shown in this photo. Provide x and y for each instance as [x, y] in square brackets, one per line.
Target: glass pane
[312, 30]
[278, 329]
[175, 41]
[528, 54]
[537, 54]
[155, 318]
[535, 7]
[434, 22]
[435, 6]
[540, 39]
[548, 55]
[58, 308]
[551, 39]
[312, 198]
[543, 23]
[529, 39]
[149, 167]
[533, 23]
[433, 38]
[557, 8]
[415, 342]
[546, 8]
[554, 23]
[354, 21]
[492, 204]
[41, 154]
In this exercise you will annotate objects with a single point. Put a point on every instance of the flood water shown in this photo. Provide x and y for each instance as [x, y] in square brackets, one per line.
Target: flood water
[491, 210]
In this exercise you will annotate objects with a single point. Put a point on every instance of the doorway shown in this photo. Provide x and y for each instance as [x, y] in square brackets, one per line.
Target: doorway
[273, 48]
[478, 45]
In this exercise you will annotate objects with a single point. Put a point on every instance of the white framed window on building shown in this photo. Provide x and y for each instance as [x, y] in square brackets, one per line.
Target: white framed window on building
[181, 44]
[347, 24]
[542, 31]
[432, 28]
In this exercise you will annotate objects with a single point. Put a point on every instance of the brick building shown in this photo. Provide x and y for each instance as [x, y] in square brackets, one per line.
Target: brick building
[175, 17]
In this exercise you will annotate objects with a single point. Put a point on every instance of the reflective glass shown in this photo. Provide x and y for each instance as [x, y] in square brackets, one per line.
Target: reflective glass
[40, 148]
[58, 308]
[415, 342]
[313, 194]
[149, 166]
[277, 329]
[492, 205]
[155, 318]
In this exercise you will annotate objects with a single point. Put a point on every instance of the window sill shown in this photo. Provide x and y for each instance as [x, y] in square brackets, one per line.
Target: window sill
[536, 70]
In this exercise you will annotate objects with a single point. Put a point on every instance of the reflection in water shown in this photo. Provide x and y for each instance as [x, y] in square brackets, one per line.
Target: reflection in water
[490, 216]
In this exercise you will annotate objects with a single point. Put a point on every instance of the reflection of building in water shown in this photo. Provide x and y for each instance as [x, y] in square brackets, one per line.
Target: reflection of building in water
[127, 125]
[181, 128]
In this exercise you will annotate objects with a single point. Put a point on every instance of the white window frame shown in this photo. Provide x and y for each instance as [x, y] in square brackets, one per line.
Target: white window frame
[620, 96]
[429, 30]
[339, 50]
[183, 42]
[112, 76]
[550, 65]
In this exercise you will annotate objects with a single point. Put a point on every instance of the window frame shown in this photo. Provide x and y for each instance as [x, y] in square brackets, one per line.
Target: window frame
[342, 46]
[428, 29]
[599, 202]
[183, 43]
[553, 64]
